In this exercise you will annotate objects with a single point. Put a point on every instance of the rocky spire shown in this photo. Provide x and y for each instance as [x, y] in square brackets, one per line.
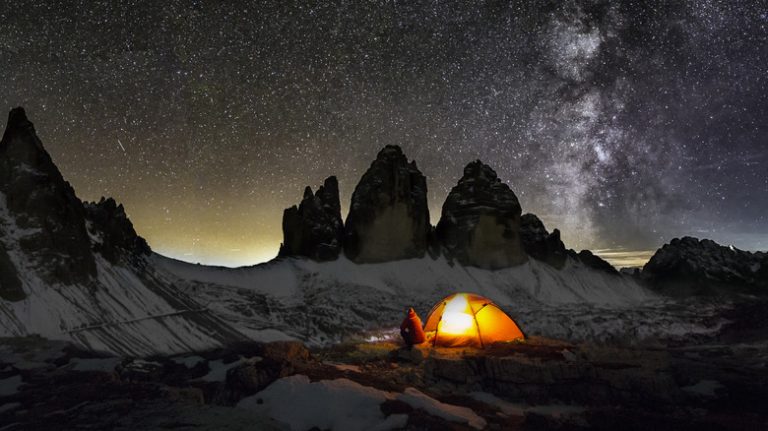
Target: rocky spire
[38, 202]
[314, 229]
[480, 222]
[115, 234]
[549, 248]
[540, 244]
[388, 217]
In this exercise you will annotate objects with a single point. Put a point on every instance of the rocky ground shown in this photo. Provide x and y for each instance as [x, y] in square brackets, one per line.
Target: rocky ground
[536, 384]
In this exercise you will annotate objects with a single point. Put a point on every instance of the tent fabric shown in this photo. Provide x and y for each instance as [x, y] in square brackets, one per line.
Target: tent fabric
[467, 319]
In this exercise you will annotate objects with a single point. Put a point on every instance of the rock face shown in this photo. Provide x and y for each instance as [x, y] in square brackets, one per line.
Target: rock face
[42, 218]
[44, 227]
[118, 238]
[389, 217]
[692, 266]
[595, 262]
[314, 229]
[480, 222]
[540, 244]
[278, 359]
[549, 248]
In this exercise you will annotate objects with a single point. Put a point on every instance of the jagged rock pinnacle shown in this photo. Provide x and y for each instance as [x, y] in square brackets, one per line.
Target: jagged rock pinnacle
[39, 198]
[480, 222]
[389, 216]
[314, 229]
[17, 119]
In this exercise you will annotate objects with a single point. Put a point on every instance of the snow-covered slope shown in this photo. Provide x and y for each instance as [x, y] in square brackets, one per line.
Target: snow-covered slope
[165, 306]
[168, 306]
[324, 302]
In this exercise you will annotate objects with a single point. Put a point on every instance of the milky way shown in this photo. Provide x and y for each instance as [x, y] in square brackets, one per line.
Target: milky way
[622, 123]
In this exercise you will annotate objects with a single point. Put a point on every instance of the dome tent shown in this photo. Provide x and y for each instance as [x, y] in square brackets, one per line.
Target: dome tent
[467, 319]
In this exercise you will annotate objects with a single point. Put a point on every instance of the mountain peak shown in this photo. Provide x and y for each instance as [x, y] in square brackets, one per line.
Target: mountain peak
[314, 228]
[17, 119]
[390, 151]
[479, 170]
[480, 222]
[40, 200]
[20, 139]
[388, 216]
[692, 265]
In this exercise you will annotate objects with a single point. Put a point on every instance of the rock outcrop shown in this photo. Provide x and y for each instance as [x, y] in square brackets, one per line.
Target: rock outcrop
[549, 248]
[44, 227]
[480, 222]
[593, 261]
[388, 217]
[115, 234]
[42, 218]
[314, 229]
[691, 266]
[540, 244]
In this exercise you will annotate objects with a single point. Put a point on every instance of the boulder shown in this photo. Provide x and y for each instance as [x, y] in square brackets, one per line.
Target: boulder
[314, 229]
[389, 216]
[276, 359]
[253, 376]
[286, 351]
[480, 221]
[141, 370]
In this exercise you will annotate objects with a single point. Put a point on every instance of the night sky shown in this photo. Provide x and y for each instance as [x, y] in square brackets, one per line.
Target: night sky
[624, 124]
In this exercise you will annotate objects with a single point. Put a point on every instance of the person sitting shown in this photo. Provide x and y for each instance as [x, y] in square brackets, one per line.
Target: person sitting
[411, 329]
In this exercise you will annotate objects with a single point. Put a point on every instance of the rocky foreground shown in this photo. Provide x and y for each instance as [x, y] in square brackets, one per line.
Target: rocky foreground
[536, 384]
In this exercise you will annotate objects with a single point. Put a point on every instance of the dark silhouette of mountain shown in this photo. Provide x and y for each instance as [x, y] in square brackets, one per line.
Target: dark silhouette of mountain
[481, 223]
[388, 216]
[691, 266]
[314, 229]
[44, 219]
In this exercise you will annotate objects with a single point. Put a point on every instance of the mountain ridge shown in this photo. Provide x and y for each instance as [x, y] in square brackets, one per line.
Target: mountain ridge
[105, 289]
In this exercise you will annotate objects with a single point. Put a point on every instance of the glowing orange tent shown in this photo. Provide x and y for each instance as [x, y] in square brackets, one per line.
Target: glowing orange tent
[466, 319]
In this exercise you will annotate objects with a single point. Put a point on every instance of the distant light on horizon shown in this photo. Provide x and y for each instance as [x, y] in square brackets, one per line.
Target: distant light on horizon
[621, 258]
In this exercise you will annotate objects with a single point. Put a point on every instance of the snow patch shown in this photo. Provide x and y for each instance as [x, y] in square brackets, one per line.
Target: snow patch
[188, 361]
[340, 405]
[419, 400]
[343, 404]
[218, 369]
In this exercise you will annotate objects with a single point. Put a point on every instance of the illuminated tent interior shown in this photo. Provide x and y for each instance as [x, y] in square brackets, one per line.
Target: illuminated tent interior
[466, 319]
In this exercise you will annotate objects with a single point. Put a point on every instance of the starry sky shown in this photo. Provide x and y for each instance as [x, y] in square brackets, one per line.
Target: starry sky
[624, 124]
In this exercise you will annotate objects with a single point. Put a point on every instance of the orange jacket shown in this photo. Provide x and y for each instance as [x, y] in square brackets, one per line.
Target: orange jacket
[412, 327]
